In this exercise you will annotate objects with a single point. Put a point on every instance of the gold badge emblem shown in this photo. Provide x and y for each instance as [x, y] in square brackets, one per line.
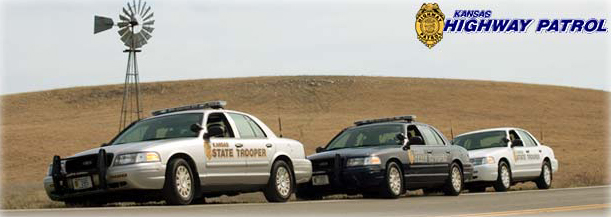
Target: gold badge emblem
[208, 149]
[410, 156]
[429, 24]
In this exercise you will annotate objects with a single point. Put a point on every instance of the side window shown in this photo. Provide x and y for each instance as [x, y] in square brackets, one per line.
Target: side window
[429, 136]
[219, 120]
[247, 128]
[513, 135]
[528, 141]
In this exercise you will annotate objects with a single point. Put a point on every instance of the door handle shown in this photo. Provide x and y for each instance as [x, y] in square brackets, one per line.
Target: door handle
[448, 152]
[540, 151]
[527, 151]
[239, 145]
[269, 145]
[429, 151]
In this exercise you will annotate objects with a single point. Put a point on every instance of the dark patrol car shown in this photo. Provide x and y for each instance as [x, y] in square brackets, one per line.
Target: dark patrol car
[385, 158]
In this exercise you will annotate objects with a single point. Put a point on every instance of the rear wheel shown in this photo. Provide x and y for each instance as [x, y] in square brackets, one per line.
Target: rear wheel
[281, 183]
[179, 187]
[393, 181]
[503, 180]
[455, 181]
[545, 179]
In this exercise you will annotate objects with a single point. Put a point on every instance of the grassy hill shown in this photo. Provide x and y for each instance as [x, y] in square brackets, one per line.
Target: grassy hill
[38, 125]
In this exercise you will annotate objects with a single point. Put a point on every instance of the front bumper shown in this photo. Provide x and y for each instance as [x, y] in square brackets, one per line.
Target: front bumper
[554, 165]
[302, 169]
[143, 176]
[346, 180]
[485, 173]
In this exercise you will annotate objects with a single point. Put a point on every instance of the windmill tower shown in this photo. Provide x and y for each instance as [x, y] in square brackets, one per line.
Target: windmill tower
[135, 28]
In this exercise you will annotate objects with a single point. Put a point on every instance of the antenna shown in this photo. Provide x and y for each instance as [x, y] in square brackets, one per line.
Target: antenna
[280, 126]
[135, 28]
[451, 129]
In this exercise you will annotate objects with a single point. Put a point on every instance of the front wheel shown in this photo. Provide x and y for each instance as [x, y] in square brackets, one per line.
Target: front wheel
[179, 187]
[280, 185]
[455, 181]
[503, 180]
[545, 179]
[393, 181]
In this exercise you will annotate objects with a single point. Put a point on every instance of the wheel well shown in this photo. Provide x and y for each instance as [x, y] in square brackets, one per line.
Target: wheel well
[506, 162]
[459, 164]
[546, 159]
[193, 168]
[288, 161]
[396, 161]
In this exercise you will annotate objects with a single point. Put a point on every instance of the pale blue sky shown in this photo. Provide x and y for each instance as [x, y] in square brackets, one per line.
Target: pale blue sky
[50, 44]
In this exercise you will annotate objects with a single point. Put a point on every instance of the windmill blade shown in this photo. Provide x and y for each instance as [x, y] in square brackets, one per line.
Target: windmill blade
[126, 13]
[122, 24]
[101, 24]
[127, 37]
[124, 18]
[149, 22]
[147, 10]
[139, 9]
[142, 9]
[148, 29]
[123, 31]
[130, 10]
[148, 17]
[145, 34]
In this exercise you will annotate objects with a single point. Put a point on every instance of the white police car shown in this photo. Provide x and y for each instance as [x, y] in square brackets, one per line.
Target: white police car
[506, 156]
[182, 155]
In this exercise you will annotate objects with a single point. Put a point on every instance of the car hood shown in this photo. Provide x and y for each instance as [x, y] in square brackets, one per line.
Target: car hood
[353, 152]
[133, 147]
[486, 152]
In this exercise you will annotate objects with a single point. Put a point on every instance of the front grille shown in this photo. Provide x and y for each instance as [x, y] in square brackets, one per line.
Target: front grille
[85, 163]
[323, 165]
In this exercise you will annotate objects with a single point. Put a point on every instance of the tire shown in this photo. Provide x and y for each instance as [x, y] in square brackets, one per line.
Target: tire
[477, 189]
[455, 181]
[545, 179]
[179, 187]
[503, 180]
[392, 187]
[304, 192]
[281, 183]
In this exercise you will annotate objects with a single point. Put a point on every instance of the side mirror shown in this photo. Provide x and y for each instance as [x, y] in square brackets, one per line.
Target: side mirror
[401, 137]
[505, 140]
[196, 128]
[319, 149]
[516, 143]
[214, 131]
[416, 140]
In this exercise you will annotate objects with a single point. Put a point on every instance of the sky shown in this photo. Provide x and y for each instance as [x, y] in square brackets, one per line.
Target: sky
[50, 44]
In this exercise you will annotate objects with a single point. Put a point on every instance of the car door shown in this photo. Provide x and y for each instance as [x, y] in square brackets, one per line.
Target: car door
[223, 166]
[533, 154]
[257, 149]
[417, 167]
[437, 153]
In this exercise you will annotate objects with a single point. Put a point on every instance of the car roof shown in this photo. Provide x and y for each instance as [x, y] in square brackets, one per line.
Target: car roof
[195, 111]
[491, 129]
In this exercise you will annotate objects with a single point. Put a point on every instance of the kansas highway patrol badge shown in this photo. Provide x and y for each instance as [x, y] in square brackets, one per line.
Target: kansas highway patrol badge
[429, 24]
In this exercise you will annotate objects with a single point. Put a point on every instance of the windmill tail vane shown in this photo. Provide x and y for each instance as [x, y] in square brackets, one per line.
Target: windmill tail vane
[135, 28]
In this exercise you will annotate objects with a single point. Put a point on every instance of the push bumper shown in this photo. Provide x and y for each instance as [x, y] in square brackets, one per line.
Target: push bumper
[111, 180]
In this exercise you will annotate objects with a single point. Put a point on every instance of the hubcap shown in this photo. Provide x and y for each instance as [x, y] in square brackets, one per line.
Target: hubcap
[183, 181]
[547, 175]
[283, 181]
[394, 180]
[505, 176]
[456, 178]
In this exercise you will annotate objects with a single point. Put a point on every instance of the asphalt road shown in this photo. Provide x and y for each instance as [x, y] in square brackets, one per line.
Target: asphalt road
[589, 201]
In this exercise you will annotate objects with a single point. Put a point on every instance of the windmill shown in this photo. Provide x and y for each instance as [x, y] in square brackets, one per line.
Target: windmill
[135, 28]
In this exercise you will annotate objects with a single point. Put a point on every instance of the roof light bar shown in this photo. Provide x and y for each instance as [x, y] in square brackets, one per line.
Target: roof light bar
[212, 104]
[408, 118]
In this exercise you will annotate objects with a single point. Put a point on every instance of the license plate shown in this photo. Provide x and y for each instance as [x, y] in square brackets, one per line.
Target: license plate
[320, 180]
[82, 183]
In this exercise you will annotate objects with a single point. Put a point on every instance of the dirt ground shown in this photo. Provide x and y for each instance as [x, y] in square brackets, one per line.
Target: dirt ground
[574, 122]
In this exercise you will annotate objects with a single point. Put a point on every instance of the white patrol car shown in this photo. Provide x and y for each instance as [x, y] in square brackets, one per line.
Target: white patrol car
[504, 156]
[182, 155]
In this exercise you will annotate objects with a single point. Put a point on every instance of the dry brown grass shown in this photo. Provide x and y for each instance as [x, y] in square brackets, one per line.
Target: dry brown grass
[38, 125]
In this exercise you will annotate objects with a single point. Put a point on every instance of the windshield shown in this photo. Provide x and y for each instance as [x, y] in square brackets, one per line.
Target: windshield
[165, 127]
[482, 140]
[367, 136]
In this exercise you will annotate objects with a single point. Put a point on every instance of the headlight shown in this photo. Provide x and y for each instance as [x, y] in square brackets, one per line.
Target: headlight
[63, 168]
[133, 158]
[363, 161]
[482, 160]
